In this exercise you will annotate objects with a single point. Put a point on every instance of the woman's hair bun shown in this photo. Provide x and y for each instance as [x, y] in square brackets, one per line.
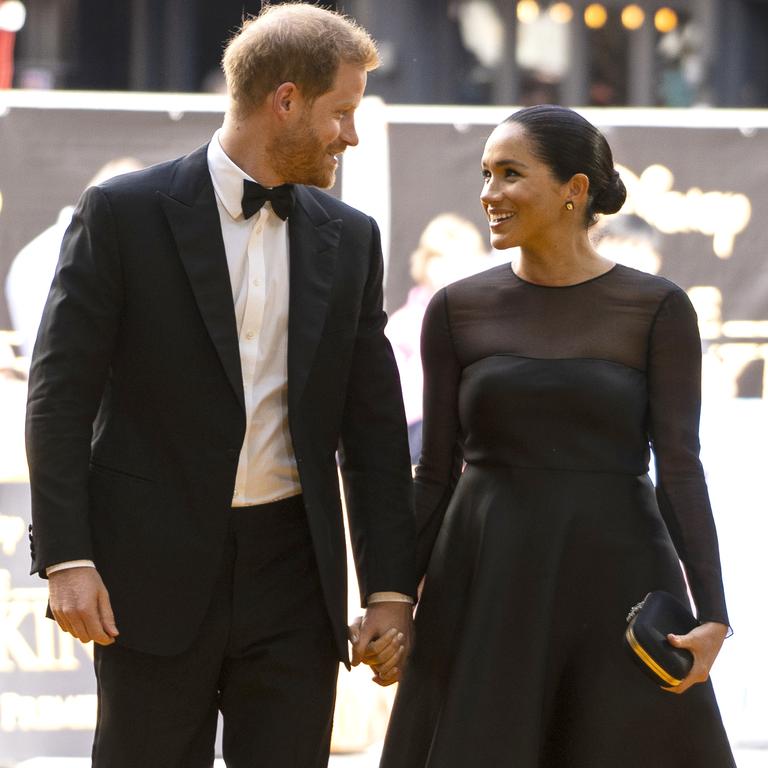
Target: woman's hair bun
[611, 197]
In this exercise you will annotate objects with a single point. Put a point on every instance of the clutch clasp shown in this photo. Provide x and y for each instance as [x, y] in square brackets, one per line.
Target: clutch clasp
[634, 610]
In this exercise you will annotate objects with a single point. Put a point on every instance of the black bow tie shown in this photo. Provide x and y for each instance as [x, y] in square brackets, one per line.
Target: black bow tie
[254, 196]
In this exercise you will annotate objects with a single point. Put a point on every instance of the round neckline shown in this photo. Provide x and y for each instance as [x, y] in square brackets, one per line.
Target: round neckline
[569, 285]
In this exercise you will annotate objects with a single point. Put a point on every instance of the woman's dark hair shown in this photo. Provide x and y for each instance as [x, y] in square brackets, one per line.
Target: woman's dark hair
[569, 144]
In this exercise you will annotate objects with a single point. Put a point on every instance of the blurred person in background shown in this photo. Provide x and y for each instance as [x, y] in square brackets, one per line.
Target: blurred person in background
[29, 278]
[207, 346]
[450, 247]
[627, 239]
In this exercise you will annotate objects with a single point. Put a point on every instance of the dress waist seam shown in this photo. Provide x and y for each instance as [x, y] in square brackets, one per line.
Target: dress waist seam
[581, 470]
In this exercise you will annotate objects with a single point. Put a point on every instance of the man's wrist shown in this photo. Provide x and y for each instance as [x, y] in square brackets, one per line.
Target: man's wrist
[67, 564]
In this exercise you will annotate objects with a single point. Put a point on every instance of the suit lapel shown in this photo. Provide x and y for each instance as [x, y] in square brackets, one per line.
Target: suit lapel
[313, 242]
[194, 220]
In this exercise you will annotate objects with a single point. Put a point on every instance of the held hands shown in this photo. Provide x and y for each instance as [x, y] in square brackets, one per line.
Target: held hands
[704, 643]
[382, 640]
[80, 604]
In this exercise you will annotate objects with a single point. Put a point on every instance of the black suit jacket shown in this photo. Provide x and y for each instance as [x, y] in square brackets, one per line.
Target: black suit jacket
[136, 412]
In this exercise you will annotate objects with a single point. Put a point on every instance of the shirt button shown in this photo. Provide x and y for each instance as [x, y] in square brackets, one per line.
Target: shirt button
[255, 283]
[250, 334]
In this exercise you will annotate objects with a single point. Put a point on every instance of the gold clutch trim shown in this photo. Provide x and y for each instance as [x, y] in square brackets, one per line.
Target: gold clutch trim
[642, 654]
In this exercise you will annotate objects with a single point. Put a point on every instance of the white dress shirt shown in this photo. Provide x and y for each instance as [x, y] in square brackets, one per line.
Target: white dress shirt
[257, 259]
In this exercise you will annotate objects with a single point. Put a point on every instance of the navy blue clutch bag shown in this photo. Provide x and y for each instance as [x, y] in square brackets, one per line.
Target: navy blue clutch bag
[649, 623]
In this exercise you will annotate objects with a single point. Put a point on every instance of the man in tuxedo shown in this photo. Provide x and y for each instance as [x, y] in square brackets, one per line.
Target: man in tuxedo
[207, 346]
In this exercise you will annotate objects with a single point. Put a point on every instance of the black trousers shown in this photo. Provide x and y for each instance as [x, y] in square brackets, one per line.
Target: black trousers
[264, 657]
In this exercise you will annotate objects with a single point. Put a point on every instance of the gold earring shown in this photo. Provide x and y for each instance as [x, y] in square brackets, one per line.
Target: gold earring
[569, 205]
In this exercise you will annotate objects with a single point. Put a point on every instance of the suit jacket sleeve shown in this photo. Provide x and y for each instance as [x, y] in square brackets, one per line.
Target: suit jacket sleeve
[68, 375]
[373, 452]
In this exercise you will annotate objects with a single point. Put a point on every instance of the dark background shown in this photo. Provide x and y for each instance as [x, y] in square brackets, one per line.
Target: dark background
[176, 45]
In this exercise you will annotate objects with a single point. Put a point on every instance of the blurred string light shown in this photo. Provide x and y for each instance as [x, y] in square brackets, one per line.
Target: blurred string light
[665, 20]
[595, 15]
[527, 11]
[13, 14]
[632, 16]
[561, 13]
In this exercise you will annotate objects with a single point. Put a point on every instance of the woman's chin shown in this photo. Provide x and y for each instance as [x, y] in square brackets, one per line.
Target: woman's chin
[501, 242]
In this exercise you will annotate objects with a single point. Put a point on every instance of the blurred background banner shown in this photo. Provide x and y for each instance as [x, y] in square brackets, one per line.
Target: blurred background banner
[696, 213]
[695, 176]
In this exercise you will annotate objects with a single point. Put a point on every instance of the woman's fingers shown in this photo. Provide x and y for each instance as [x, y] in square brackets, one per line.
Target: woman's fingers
[704, 642]
[353, 634]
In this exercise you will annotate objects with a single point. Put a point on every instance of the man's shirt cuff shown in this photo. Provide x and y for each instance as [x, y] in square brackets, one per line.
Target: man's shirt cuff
[389, 597]
[69, 564]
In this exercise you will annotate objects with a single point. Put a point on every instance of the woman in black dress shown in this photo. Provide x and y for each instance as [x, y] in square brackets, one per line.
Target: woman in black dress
[549, 382]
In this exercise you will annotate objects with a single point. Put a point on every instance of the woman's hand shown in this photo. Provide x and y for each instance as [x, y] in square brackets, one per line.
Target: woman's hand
[704, 643]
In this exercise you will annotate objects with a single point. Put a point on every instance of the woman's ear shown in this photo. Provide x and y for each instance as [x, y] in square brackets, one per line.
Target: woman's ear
[578, 188]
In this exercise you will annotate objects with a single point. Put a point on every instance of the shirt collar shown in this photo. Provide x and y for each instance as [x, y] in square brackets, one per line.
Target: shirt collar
[227, 178]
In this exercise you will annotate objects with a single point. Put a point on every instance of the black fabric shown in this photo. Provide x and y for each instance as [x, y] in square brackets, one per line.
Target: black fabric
[550, 400]
[254, 197]
[264, 656]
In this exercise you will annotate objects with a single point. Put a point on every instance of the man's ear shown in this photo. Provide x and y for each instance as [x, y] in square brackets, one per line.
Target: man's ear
[286, 99]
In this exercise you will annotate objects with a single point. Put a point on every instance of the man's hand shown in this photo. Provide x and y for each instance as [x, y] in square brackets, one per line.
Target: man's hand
[382, 639]
[80, 604]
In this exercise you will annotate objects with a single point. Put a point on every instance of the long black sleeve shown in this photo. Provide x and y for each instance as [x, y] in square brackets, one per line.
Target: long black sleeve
[440, 463]
[70, 368]
[674, 395]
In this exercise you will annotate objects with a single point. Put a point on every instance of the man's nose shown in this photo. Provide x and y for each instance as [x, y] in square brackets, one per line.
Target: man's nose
[349, 133]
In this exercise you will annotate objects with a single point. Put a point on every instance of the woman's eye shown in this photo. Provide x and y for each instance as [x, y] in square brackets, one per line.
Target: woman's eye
[509, 173]
[486, 175]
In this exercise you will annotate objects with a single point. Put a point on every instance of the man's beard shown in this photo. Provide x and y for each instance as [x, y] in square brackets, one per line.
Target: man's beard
[298, 157]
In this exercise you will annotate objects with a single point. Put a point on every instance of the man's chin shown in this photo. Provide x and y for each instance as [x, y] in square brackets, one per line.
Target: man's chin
[320, 180]
[317, 175]
[328, 181]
